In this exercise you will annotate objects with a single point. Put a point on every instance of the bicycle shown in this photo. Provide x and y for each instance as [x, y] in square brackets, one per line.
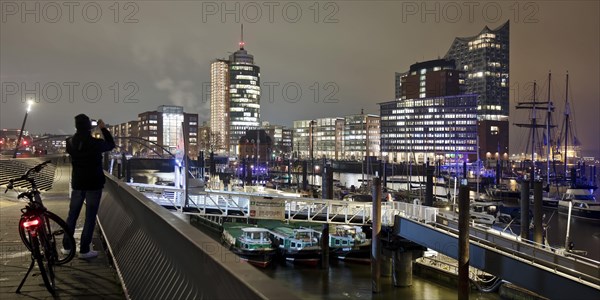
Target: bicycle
[41, 231]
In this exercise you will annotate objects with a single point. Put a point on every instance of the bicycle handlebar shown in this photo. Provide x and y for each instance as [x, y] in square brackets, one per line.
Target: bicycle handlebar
[35, 169]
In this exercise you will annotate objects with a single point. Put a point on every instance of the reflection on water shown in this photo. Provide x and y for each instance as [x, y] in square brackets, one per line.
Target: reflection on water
[584, 234]
[353, 281]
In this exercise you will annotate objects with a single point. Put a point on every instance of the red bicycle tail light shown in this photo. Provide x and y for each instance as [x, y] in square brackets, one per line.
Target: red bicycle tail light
[30, 223]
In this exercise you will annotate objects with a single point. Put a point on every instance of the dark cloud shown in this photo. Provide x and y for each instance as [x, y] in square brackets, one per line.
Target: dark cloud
[342, 59]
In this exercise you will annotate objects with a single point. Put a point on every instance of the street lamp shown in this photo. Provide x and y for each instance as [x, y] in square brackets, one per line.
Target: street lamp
[29, 103]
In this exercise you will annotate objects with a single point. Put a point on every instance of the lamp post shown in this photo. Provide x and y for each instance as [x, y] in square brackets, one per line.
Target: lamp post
[29, 103]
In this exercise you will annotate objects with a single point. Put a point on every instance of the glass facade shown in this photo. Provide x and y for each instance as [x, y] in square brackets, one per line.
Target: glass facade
[326, 141]
[219, 104]
[301, 139]
[172, 119]
[485, 60]
[244, 97]
[429, 128]
[361, 136]
[350, 137]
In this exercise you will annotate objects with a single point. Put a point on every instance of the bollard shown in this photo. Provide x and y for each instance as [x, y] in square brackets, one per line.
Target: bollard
[525, 209]
[429, 188]
[537, 211]
[305, 176]
[327, 182]
[463, 241]
[386, 262]
[402, 265]
[375, 242]
[325, 247]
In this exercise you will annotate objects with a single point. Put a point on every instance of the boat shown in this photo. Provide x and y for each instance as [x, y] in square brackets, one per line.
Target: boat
[547, 201]
[297, 245]
[251, 244]
[583, 204]
[350, 243]
[483, 212]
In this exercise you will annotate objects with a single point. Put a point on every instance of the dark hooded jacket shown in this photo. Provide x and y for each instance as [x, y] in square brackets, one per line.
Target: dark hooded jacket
[86, 158]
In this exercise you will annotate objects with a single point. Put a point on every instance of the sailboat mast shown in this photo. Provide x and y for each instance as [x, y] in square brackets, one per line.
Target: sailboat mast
[533, 126]
[548, 132]
[567, 113]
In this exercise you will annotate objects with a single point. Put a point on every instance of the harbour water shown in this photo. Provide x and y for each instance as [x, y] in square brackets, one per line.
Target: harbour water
[584, 234]
[353, 281]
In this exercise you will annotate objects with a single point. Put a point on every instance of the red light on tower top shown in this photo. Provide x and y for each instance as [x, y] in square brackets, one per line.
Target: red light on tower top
[242, 39]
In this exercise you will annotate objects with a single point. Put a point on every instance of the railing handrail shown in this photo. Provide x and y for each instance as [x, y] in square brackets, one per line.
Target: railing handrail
[160, 256]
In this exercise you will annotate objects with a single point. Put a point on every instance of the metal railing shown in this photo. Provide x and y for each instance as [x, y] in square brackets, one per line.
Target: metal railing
[497, 257]
[239, 204]
[158, 255]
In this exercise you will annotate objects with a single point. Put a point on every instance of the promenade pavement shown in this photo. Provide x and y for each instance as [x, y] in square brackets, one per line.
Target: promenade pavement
[79, 279]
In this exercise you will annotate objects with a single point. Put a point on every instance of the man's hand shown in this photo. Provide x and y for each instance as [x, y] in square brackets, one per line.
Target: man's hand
[101, 124]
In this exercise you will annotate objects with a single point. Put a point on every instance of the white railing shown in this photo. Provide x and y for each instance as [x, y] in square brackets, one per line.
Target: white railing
[238, 204]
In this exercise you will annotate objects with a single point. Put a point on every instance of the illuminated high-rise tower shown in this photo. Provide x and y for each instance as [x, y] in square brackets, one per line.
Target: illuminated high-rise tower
[234, 99]
[244, 95]
[219, 105]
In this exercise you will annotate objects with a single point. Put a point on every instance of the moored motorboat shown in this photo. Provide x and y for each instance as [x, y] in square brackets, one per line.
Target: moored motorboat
[583, 204]
[349, 243]
[299, 245]
[251, 244]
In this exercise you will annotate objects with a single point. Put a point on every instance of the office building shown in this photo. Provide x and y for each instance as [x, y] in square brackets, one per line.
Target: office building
[255, 147]
[361, 136]
[244, 96]
[281, 139]
[429, 129]
[219, 105]
[485, 59]
[351, 137]
[235, 98]
[428, 79]
[165, 133]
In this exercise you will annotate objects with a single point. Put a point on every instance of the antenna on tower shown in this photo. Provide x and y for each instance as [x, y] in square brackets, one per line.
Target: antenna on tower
[242, 39]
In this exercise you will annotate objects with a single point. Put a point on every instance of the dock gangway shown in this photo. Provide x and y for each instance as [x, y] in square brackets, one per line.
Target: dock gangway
[541, 269]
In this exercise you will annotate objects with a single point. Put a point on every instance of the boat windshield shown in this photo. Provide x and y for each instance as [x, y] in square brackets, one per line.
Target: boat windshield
[303, 235]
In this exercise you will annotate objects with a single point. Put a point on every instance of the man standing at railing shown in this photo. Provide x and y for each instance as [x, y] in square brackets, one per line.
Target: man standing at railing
[87, 178]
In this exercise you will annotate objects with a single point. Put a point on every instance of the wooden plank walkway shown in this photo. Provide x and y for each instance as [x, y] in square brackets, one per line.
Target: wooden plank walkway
[79, 279]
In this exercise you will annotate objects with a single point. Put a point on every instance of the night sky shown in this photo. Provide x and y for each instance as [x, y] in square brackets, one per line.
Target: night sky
[317, 59]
